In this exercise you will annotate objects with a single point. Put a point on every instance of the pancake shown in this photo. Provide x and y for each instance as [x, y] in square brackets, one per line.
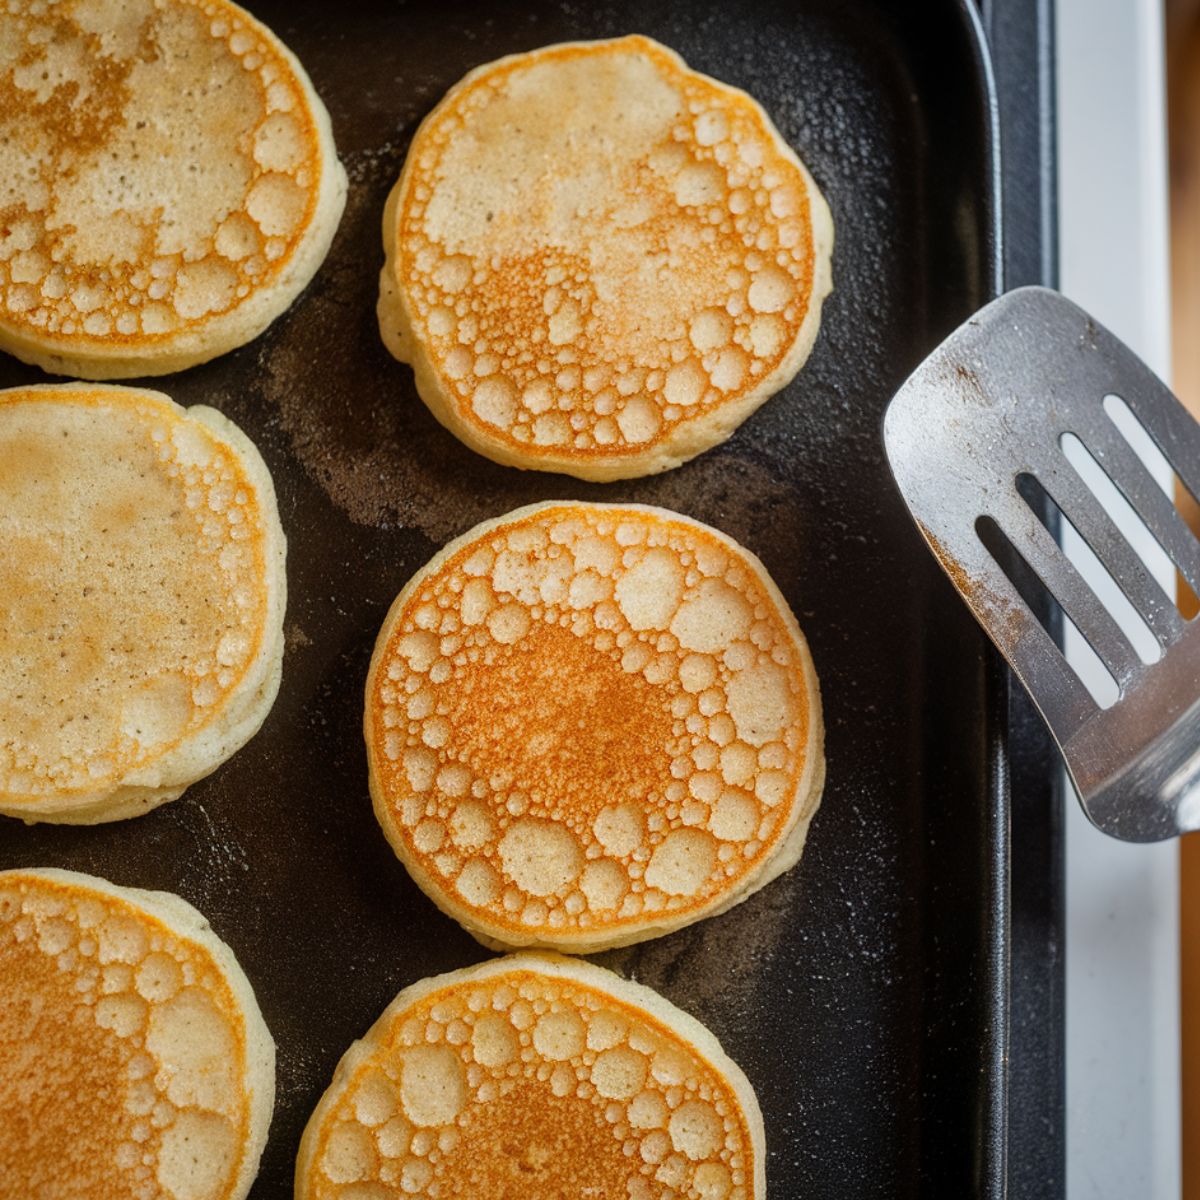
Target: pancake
[134, 1061]
[168, 183]
[532, 1077]
[591, 724]
[143, 593]
[600, 262]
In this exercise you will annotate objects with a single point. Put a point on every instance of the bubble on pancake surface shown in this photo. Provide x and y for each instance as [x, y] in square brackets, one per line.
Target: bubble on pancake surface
[545, 1087]
[587, 717]
[132, 541]
[158, 165]
[122, 1052]
[659, 271]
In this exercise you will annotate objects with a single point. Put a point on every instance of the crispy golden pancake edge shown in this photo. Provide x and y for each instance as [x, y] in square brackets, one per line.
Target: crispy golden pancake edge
[247, 704]
[188, 924]
[789, 843]
[700, 1040]
[88, 359]
[688, 438]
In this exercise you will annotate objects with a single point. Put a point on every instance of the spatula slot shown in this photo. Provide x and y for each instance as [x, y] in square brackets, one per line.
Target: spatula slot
[1142, 441]
[1103, 584]
[1160, 429]
[1163, 544]
[1091, 671]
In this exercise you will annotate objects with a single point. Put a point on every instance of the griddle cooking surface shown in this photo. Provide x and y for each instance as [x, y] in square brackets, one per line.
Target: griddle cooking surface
[859, 992]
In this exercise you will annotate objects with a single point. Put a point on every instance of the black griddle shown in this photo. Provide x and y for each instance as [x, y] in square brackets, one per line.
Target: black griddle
[865, 993]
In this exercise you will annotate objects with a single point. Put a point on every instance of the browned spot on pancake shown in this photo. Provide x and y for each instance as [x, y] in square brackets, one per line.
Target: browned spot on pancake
[535, 1143]
[606, 726]
[588, 718]
[119, 1040]
[526, 1085]
[61, 1083]
[158, 166]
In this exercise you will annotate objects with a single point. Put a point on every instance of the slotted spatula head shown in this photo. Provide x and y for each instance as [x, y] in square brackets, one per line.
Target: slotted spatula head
[976, 429]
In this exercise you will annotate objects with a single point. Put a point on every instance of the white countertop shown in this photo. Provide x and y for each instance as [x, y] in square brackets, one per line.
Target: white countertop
[1122, 965]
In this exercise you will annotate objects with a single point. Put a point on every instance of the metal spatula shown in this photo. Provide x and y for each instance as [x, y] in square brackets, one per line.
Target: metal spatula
[983, 416]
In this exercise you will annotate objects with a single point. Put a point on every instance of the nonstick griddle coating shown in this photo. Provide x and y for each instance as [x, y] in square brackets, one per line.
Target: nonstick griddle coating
[860, 992]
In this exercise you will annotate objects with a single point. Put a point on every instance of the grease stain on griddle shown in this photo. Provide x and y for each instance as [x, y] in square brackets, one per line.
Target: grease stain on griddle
[364, 436]
[714, 965]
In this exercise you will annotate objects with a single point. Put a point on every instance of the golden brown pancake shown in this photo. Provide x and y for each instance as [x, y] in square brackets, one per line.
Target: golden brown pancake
[168, 183]
[599, 261]
[530, 1078]
[591, 724]
[143, 592]
[134, 1062]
